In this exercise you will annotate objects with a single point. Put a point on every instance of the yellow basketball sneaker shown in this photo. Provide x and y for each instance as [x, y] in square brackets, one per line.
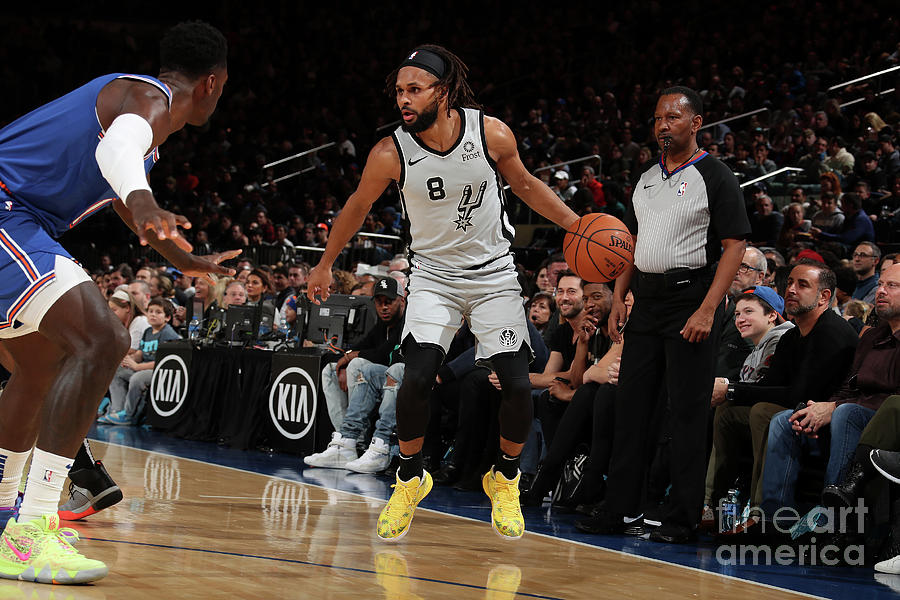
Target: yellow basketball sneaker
[395, 518]
[506, 513]
[39, 550]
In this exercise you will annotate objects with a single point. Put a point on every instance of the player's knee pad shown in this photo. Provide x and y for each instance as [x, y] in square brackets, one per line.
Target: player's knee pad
[422, 364]
[516, 407]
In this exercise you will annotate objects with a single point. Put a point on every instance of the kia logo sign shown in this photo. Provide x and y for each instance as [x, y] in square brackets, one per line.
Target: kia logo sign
[292, 403]
[168, 387]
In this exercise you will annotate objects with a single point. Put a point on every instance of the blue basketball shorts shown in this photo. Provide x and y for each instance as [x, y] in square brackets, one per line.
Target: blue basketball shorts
[35, 271]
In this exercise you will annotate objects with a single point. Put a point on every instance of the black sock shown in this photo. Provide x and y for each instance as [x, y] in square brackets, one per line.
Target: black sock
[508, 465]
[84, 459]
[410, 466]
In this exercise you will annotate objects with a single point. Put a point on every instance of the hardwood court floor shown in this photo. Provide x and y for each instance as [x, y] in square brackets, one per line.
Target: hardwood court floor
[188, 529]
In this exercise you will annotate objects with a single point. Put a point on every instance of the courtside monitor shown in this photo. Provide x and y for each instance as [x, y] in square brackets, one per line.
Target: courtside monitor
[241, 324]
[341, 320]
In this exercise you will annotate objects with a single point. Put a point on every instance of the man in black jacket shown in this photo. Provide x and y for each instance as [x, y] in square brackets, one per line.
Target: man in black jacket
[354, 385]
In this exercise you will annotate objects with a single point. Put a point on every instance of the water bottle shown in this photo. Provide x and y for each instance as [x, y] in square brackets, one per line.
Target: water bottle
[284, 327]
[731, 511]
[194, 329]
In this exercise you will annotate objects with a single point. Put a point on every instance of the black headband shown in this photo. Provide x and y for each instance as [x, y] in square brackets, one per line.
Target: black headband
[427, 60]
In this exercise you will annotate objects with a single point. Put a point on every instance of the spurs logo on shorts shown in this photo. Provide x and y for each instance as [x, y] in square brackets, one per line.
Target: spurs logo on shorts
[508, 338]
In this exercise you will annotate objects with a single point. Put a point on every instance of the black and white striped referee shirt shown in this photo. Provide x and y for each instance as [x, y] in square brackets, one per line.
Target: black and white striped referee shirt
[681, 217]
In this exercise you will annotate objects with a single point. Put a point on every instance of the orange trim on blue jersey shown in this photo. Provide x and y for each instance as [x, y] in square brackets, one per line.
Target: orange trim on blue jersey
[18, 256]
[29, 293]
[24, 298]
[91, 210]
[703, 154]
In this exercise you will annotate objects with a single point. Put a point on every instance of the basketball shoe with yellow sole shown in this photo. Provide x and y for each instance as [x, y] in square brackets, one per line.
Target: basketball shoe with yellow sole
[39, 550]
[395, 518]
[506, 512]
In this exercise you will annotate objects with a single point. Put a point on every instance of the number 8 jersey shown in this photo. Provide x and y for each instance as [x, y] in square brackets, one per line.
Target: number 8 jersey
[453, 200]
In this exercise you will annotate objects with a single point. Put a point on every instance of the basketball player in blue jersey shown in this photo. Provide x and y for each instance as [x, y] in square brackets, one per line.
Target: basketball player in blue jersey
[447, 159]
[58, 165]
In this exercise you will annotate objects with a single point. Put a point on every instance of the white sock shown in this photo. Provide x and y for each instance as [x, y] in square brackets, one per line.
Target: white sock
[45, 483]
[11, 466]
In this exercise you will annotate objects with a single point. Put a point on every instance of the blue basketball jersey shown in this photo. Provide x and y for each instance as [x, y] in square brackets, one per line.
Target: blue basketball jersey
[47, 163]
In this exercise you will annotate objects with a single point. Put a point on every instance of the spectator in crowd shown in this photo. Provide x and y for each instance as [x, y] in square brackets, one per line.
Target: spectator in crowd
[143, 274]
[839, 160]
[140, 291]
[872, 377]
[132, 317]
[258, 287]
[829, 217]
[865, 258]
[540, 309]
[565, 368]
[135, 372]
[590, 183]
[353, 383]
[857, 226]
[234, 294]
[281, 286]
[795, 228]
[890, 156]
[759, 320]
[562, 187]
[765, 223]
[542, 281]
[285, 245]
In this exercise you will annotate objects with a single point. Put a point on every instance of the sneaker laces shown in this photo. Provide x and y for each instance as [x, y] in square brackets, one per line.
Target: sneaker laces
[506, 494]
[408, 492]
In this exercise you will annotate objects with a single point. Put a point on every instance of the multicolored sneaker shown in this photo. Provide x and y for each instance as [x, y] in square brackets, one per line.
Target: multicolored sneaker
[90, 491]
[395, 518]
[39, 551]
[506, 513]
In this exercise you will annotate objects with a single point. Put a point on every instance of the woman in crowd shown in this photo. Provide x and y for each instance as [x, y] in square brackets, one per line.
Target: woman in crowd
[540, 308]
[795, 228]
[258, 288]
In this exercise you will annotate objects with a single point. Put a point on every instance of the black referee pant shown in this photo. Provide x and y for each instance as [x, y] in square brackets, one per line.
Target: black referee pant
[656, 356]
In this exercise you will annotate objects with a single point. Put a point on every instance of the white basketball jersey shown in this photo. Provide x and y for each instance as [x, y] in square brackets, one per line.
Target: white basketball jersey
[453, 200]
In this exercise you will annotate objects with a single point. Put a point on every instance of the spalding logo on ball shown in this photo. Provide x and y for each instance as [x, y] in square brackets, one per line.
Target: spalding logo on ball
[598, 247]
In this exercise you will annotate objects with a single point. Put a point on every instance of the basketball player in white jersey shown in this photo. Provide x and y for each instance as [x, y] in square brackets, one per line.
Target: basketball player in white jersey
[447, 160]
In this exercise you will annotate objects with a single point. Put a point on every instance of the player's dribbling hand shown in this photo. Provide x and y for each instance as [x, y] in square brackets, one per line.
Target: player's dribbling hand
[208, 266]
[148, 216]
[318, 282]
[618, 316]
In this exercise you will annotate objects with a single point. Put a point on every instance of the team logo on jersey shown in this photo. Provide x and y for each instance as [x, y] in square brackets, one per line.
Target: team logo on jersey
[508, 338]
[8, 205]
[682, 188]
[469, 152]
[467, 205]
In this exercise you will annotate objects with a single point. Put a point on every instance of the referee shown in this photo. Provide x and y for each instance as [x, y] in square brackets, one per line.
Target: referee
[685, 210]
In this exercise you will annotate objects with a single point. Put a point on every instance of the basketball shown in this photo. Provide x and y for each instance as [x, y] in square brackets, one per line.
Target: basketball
[598, 247]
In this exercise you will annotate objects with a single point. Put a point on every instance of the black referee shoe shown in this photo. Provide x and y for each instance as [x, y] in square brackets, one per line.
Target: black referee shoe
[602, 522]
